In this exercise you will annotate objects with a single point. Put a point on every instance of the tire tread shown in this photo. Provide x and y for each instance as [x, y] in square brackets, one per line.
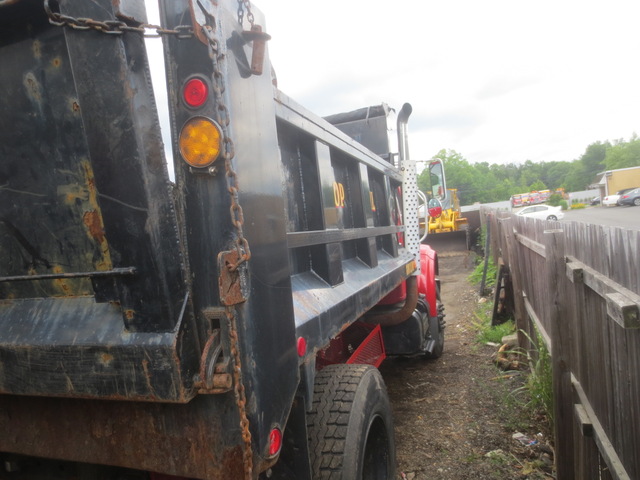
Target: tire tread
[334, 394]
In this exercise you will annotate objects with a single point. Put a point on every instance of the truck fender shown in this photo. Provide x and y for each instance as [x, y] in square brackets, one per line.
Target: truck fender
[427, 279]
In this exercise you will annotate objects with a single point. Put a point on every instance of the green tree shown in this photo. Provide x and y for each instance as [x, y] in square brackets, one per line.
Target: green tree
[555, 173]
[588, 166]
[484, 182]
[537, 185]
[623, 154]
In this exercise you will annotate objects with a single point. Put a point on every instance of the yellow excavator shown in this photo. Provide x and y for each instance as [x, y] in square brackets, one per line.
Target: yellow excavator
[449, 230]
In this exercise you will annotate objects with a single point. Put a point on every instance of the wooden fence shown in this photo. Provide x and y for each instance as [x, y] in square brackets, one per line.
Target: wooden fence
[578, 285]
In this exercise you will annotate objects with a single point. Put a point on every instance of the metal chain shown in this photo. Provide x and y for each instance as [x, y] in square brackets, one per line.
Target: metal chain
[240, 394]
[223, 119]
[242, 5]
[237, 219]
[114, 27]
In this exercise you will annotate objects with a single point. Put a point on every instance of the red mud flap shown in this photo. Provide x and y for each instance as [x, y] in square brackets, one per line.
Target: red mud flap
[360, 344]
[371, 350]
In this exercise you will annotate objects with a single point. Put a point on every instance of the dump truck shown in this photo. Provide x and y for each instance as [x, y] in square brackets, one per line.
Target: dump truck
[224, 323]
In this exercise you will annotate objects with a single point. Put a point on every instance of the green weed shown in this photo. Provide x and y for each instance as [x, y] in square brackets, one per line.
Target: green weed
[492, 273]
[539, 383]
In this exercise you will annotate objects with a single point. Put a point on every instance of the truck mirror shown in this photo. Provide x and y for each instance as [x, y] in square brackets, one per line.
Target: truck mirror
[436, 177]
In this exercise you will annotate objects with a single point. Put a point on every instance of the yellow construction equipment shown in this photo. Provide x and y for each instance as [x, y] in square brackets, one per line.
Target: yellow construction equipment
[449, 230]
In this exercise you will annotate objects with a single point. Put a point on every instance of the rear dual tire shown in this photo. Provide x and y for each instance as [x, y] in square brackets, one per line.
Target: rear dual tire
[350, 425]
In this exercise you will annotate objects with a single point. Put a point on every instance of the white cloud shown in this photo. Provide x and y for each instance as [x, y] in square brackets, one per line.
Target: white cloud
[498, 81]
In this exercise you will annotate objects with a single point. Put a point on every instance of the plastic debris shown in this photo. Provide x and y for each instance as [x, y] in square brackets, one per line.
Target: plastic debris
[523, 439]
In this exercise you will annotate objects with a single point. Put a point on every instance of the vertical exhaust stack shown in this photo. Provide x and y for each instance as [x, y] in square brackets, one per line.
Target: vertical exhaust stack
[403, 132]
[409, 187]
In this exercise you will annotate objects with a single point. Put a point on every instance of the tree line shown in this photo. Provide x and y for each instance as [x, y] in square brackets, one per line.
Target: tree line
[483, 182]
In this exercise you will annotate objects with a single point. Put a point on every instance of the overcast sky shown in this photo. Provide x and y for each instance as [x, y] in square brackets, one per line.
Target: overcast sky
[498, 80]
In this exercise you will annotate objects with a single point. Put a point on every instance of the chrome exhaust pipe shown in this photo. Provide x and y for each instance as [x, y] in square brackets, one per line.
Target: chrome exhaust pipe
[403, 132]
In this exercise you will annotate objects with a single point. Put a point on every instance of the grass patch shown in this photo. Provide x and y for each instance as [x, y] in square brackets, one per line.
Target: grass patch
[492, 273]
[487, 333]
[496, 333]
[526, 396]
[539, 382]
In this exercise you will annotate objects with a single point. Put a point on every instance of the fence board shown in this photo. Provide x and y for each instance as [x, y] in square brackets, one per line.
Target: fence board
[581, 287]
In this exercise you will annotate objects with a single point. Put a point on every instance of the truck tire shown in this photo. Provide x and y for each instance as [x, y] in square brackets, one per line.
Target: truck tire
[350, 425]
[438, 348]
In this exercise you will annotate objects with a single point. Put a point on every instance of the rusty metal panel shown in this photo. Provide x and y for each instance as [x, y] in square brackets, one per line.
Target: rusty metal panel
[197, 440]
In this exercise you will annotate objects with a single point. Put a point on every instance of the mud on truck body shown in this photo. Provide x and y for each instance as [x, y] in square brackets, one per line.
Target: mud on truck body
[225, 326]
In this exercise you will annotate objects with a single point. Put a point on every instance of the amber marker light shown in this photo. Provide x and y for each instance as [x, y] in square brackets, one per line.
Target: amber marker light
[200, 141]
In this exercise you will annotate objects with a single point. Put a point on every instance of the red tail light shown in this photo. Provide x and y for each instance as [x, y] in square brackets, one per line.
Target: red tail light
[195, 92]
[275, 442]
[302, 346]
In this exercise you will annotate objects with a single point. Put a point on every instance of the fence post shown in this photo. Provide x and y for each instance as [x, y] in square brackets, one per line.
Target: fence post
[561, 346]
[513, 263]
[486, 258]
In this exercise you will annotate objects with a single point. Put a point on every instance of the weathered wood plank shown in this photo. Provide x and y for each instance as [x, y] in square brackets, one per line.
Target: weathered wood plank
[531, 244]
[599, 280]
[540, 327]
[583, 419]
[623, 305]
[600, 436]
[514, 266]
[623, 310]
[561, 345]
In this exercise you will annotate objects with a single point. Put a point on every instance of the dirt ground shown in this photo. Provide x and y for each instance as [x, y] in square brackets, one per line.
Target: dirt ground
[455, 416]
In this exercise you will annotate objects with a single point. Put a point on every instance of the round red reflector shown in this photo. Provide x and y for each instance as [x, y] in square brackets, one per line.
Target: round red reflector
[302, 346]
[195, 92]
[275, 442]
[435, 212]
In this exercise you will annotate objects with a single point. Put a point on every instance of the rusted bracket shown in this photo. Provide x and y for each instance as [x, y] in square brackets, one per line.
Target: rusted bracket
[259, 39]
[202, 11]
[231, 282]
[214, 376]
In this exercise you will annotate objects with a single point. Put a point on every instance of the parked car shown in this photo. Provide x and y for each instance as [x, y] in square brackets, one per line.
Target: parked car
[610, 200]
[595, 201]
[632, 197]
[543, 212]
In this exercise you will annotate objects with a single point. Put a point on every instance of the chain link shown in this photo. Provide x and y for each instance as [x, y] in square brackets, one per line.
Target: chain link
[116, 27]
[237, 219]
[242, 6]
[222, 117]
[240, 394]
